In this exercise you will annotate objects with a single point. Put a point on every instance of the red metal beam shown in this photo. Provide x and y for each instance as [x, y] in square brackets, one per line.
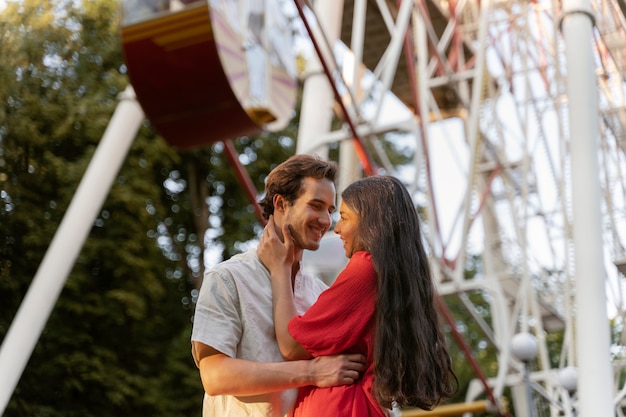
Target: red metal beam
[363, 154]
[244, 178]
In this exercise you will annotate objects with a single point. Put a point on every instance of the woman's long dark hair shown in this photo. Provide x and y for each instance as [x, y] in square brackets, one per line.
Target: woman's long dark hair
[411, 361]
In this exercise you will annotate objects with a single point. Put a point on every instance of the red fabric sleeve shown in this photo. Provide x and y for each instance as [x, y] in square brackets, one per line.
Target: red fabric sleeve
[343, 314]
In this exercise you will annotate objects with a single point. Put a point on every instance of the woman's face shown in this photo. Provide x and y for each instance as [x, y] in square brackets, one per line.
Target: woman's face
[346, 228]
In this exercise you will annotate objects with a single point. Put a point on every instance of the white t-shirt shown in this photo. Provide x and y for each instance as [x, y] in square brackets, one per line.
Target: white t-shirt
[234, 316]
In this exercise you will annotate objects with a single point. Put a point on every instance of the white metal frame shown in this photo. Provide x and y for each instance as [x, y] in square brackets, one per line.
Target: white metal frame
[553, 48]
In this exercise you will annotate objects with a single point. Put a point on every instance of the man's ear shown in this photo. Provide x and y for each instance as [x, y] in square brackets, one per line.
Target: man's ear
[279, 203]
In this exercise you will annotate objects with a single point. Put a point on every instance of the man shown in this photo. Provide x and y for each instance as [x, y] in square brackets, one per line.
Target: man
[233, 341]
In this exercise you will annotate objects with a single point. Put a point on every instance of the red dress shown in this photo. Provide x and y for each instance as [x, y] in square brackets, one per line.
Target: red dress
[341, 321]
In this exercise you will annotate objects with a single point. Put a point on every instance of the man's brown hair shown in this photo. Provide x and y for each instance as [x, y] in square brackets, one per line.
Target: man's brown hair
[286, 178]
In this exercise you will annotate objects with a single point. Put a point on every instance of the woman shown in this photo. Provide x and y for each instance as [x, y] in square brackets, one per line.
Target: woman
[381, 305]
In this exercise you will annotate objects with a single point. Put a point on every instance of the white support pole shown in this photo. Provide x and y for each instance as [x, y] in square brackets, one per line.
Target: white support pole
[317, 98]
[50, 278]
[595, 388]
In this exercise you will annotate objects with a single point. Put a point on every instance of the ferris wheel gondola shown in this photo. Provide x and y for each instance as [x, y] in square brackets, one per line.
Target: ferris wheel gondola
[205, 71]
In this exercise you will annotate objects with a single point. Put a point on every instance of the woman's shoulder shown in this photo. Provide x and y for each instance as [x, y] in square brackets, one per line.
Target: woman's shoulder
[361, 260]
[362, 256]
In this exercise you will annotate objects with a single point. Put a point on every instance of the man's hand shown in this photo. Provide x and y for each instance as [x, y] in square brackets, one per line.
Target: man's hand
[332, 371]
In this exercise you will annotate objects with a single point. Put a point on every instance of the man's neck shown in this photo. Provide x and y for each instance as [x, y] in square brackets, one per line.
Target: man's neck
[295, 266]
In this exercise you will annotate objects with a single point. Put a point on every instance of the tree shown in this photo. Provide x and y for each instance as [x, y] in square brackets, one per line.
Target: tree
[117, 341]
[112, 343]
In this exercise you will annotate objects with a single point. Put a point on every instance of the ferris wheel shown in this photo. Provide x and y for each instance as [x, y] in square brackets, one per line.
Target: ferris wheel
[484, 89]
[479, 93]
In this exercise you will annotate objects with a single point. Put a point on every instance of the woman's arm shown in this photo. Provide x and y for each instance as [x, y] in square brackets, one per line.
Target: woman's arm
[278, 257]
[285, 310]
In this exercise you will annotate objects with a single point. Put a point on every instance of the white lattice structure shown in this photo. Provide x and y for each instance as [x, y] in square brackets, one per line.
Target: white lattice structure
[486, 100]
[482, 94]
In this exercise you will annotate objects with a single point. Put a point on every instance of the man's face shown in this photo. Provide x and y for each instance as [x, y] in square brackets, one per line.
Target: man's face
[310, 214]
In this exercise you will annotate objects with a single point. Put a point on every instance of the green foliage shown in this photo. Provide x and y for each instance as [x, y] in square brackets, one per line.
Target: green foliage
[117, 341]
[474, 339]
